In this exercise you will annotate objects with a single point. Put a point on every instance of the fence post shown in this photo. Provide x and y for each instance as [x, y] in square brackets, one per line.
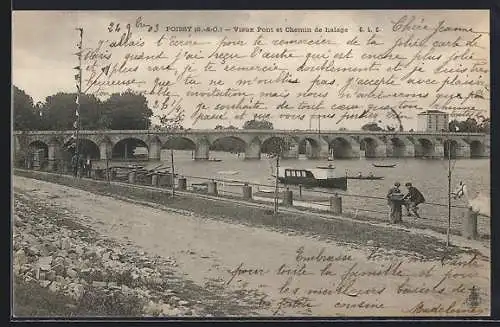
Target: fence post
[288, 199]
[212, 187]
[336, 204]
[131, 177]
[247, 192]
[154, 179]
[181, 184]
[300, 190]
[470, 224]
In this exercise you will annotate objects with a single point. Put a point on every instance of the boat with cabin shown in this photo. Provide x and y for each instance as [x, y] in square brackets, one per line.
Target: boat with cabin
[314, 177]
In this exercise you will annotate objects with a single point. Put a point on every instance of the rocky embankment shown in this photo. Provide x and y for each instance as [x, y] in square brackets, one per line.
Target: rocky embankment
[70, 260]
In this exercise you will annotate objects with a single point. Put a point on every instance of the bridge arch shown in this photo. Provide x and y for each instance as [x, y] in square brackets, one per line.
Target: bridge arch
[340, 147]
[372, 147]
[398, 147]
[229, 143]
[310, 147]
[127, 148]
[271, 144]
[38, 152]
[37, 143]
[88, 148]
[179, 143]
[477, 149]
[424, 147]
[253, 149]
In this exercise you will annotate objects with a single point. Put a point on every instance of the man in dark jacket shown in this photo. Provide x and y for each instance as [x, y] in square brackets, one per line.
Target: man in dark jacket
[413, 198]
[74, 165]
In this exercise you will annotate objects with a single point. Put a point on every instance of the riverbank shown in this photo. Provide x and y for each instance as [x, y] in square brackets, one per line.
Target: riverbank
[314, 211]
[64, 268]
[200, 250]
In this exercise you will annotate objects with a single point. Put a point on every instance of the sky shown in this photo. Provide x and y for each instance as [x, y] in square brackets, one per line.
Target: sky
[44, 44]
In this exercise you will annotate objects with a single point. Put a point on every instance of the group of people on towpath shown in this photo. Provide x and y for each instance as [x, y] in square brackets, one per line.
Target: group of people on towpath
[411, 200]
[81, 167]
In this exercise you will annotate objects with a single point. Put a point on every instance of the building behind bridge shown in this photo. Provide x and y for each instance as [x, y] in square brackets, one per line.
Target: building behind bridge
[432, 121]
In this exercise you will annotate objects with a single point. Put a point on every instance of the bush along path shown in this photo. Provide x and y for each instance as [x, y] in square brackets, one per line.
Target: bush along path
[62, 268]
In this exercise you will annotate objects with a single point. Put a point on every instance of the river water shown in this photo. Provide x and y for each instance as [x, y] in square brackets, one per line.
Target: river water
[430, 176]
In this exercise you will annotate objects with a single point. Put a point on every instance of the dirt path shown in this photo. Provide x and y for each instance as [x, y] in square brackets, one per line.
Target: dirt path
[338, 280]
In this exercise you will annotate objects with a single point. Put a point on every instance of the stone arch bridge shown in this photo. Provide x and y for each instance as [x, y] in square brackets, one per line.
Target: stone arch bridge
[109, 144]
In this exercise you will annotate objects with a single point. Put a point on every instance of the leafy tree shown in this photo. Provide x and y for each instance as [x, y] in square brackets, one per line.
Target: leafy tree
[454, 126]
[470, 125]
[127, 111]
[373, 127]
[485, 126]
[169, 124]
[258, 124]
[59, 112]
[25, 116]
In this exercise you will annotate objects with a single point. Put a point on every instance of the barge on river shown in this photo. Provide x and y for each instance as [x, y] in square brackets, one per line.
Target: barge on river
[311, 178]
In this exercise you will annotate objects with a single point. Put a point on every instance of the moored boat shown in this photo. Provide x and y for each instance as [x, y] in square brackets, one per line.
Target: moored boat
[370, 178]
[384, 165]
[326, 167]
[311, 178]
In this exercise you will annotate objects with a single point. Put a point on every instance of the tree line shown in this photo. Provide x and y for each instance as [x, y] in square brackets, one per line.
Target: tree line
[470, 125]
[58, 112]
[120, 111]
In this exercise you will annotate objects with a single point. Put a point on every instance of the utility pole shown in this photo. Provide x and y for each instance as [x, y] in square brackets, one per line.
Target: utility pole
[449, 192]
[78, 78]
[173, 171]
[276, 188]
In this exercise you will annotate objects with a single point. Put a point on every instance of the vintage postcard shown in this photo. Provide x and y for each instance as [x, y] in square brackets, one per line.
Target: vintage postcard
[306, 163]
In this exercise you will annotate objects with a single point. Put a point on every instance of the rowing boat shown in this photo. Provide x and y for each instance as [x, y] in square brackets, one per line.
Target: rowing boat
[384, 166]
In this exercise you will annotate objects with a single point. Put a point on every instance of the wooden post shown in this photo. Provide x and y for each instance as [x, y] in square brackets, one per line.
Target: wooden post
[131, 177]
[182, 184]
[212, 187]
[154, 180]
[288, 197]
[247, 192]
[336, 205]
[470, 224]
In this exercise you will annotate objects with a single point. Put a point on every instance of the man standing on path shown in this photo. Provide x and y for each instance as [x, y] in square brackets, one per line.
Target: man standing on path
[412, 199]
[394, 215]
[74, 165]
